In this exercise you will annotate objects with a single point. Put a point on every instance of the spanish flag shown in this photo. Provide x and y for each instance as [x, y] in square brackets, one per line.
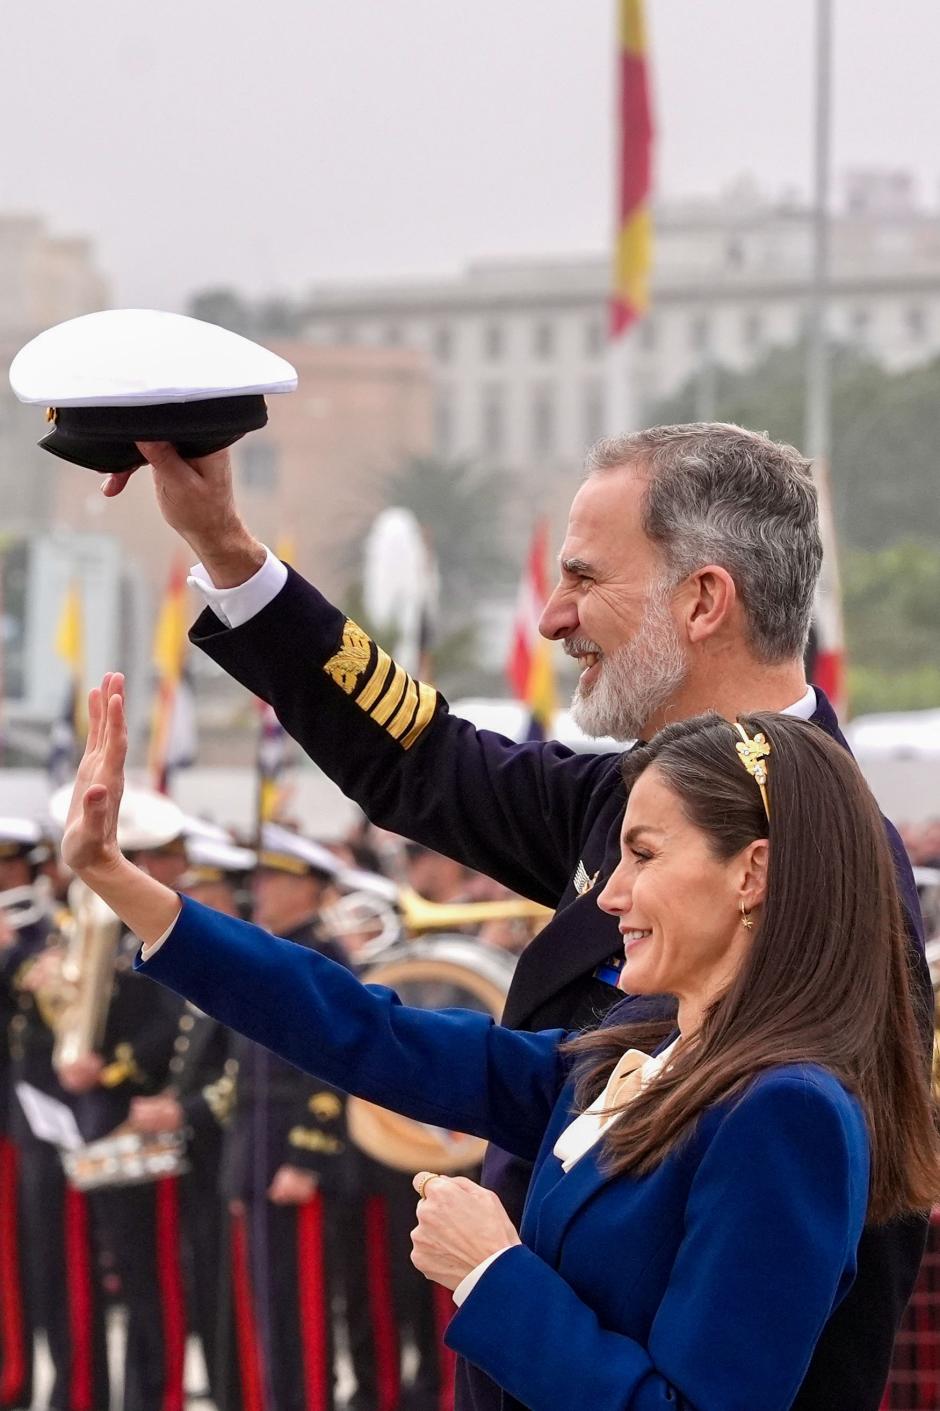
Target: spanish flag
[633, 249]
[172, 733]
[530, 668]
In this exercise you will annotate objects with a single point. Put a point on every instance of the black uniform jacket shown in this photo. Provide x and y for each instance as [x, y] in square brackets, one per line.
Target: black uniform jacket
[545, 822]
[137, 1047]
[283, 1117]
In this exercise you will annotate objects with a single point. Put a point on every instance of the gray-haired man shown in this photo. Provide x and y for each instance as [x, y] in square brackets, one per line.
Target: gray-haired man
[687, 579]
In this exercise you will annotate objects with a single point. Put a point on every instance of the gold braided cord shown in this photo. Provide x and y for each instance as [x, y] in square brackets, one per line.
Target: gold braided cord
[753, 755]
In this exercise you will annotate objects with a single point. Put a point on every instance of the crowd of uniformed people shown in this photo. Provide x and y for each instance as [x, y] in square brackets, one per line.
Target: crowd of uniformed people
[250, 1223]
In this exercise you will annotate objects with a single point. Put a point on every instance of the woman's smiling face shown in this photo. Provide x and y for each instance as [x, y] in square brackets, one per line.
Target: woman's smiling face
[678, 905]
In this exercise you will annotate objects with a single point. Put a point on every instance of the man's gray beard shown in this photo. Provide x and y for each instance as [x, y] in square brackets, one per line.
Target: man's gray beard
[636, 680]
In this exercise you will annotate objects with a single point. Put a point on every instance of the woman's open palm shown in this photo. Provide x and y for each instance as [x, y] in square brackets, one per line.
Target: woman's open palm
[90, 838]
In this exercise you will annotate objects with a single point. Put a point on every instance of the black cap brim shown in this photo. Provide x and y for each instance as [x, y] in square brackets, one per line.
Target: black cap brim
[104, 438]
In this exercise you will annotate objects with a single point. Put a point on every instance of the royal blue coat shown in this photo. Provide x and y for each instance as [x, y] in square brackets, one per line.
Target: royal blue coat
[704, 1285]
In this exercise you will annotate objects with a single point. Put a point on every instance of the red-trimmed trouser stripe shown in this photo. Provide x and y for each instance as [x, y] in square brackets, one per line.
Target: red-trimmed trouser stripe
[312, 1305]
[446, 1360]
[14, 1367]
[170, 1278]
[246, 1334]
[81, 1300]
[382, 1305]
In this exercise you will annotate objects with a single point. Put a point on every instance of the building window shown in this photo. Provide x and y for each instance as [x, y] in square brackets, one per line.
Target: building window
[915, 322]
[259, 465]
[345, 334]
[392, 335]
[753, 330]
[493, 421]
[493, 342]
[594, 338]
[444, 424]
[593, 412]
[699, 333]
[543, 420]
[443, 343]
[543, 339]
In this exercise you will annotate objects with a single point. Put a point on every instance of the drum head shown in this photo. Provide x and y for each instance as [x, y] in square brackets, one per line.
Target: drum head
[449, 972]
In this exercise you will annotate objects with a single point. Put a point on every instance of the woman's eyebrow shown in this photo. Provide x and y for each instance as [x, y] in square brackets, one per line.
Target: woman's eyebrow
[631, 835]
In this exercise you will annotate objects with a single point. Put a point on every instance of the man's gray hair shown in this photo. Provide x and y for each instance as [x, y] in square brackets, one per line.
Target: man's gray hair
[723, 495]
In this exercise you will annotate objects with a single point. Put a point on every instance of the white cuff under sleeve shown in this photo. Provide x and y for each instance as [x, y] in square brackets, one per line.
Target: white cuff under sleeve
[466, 1286]
[236, 606]
[151, 948]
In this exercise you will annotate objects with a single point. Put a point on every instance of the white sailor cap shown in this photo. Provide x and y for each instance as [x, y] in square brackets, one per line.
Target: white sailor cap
[285, 851]
[120, 376]
[214, 860]
[18, 837]
[146, 821]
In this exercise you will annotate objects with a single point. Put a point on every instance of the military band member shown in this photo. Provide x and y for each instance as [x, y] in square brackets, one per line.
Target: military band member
[198, 1100]
[138, 1226]
[284, 1169]
[687, 581]
[65, 1298]
[19, 944]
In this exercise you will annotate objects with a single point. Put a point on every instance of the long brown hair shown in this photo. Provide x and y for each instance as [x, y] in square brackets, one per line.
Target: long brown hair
[826, 979]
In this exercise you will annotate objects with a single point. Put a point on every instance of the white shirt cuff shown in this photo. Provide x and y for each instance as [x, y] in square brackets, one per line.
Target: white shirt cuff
[236, 606]
[466, 1286]
[151, 947]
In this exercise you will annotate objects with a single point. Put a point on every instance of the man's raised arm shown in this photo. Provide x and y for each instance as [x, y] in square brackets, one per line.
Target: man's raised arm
[516, 812]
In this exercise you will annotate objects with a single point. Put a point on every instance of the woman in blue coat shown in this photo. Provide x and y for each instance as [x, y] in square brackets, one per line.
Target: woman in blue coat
[693, 1220]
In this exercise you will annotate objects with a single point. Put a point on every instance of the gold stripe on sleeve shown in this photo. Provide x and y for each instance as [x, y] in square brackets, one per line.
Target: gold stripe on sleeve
[391, 696]
[404, 715]
[427, 704]
[373, 688]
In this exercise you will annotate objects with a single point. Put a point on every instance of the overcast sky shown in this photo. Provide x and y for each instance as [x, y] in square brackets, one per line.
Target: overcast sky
[273, 145]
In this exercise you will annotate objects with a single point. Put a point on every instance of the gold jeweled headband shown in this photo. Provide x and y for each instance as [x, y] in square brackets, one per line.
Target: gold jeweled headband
[753, 754]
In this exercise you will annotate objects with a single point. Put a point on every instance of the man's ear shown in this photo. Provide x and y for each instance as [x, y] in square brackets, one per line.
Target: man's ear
[755, 860]
[709, 598]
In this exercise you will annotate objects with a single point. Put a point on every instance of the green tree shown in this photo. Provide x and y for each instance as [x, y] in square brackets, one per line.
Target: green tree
[885, 458]
[890, 599]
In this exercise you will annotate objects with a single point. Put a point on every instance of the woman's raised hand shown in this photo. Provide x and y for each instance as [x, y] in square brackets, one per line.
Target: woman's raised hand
[90, 839]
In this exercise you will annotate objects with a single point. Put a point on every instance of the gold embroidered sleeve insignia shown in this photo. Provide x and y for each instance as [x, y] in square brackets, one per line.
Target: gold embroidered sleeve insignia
[347, 665]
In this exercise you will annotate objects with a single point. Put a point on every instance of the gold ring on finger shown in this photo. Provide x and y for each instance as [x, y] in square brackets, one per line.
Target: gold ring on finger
[432, 1176]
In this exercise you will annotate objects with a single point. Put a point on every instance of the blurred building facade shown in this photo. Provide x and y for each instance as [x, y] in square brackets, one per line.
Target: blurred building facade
[44, 279]
[517, 347]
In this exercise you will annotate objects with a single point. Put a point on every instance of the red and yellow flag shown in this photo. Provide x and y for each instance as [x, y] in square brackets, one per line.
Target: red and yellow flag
[170, 643]
[633, 248]
[530, 668]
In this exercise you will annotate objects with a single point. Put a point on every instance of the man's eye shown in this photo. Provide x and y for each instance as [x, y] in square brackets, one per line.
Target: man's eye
[640, 855]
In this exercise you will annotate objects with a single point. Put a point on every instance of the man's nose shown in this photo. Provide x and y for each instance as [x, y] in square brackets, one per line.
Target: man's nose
[559, 616]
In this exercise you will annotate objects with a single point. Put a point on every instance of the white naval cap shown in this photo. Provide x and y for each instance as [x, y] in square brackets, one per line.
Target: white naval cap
[18, 837]
[146, 820]
[285, 851]
[113, 378]
[214, 860]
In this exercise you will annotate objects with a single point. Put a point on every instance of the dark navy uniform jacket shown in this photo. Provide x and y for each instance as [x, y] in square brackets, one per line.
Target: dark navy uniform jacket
[701, 1286]
[281, 1116]
[545, 822]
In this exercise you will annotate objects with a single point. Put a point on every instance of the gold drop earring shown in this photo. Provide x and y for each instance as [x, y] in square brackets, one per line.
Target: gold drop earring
[746, 918]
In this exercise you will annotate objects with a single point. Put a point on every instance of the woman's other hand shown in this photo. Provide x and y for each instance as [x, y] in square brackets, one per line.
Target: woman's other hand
[89, 843]
[459, 1225]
